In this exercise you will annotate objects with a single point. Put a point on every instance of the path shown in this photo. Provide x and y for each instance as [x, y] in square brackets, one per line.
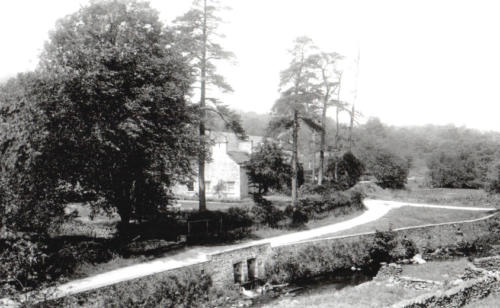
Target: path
[375, 209]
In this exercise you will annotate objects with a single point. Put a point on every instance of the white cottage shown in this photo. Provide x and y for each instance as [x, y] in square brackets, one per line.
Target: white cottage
[225, 175]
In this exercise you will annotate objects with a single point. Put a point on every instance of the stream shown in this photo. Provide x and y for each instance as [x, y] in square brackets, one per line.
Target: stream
[333, 283]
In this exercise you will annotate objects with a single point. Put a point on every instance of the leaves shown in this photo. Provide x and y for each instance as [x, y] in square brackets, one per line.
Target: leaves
[119, 124]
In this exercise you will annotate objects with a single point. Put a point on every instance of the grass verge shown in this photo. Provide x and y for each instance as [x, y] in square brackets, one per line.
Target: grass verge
[408, 216]
[442, 196]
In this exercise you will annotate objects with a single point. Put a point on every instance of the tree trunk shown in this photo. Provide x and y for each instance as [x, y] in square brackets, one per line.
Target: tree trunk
[313, 157]
[201, 160]
[337, 132]
[322, 143]
[295, 158]
[351, 125]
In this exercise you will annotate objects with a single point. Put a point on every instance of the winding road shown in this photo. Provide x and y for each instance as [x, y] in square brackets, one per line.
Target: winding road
[375, 209]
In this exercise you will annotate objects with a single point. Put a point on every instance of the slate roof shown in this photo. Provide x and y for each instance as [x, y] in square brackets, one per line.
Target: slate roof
[239, 157]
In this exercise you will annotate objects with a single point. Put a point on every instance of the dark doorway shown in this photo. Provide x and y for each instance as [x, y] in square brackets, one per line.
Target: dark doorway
[252, 269]
[238, 272]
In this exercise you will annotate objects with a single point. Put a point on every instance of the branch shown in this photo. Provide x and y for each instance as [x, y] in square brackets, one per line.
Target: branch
[311, 123]
[231, 120]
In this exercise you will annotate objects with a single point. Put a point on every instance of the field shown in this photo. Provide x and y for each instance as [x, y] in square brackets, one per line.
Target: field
[415, 193]
[408, 216]
[438, 270]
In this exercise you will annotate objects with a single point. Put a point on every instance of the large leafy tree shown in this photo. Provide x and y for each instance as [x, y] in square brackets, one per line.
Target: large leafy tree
[28, 185]
[268, 168]
[196, 35]
[118, 119]
[295, 104]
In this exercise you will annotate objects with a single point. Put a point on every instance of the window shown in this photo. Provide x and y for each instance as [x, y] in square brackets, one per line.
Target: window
[207, 185]
[230, 186]
[190, 186]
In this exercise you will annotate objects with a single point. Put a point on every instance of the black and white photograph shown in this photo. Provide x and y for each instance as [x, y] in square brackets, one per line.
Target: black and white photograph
[250, 153]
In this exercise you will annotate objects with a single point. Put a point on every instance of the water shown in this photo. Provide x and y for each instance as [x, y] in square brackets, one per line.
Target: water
[331, 283]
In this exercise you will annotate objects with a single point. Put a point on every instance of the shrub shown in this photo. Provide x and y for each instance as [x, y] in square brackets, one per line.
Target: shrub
[456, 170]
[25, 263]
[383, 245]
[390, 170]
[345, 171]
[312, 189]
[336, 202]
[268, 168]
[183, 289]
[299, 216]
[493, 184]
[410, 248]
[265, 213]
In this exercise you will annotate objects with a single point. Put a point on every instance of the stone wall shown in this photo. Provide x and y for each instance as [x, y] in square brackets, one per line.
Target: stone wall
[489, 263]
[427, 236]
[239, 265]
[455, 297]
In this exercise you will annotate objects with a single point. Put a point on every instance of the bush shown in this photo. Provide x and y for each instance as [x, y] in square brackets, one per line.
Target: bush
[22, 264]
[383, 245]
[338, 203]
[299, 216]
[268, 168]
[390, 170]
[309, 261]
[265, 213]
[345, 171]
[183, 289]
[312, 189]
[454, 171]
[493, 185]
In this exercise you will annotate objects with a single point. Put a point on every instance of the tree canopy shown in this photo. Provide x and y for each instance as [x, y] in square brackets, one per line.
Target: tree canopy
[268, 168]
[118, 120]
[196, 34]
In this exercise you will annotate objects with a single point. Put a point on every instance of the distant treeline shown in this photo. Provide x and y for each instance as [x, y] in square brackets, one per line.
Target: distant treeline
[441, 156]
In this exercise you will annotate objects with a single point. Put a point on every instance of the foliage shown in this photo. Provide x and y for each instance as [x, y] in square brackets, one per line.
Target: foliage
[119, 123]
[297, 95]
[425, 143]
[309, 261]
[186, 288]
[346, 171]
[390, 170]
[195, 35]
[312, 189]
[383, 245]
[332, 202]
[268, 168]
[219, 189]
[29, 200]
[453, 170]
[265, 213]
[22, 264]
[493, 184]
[299, 215]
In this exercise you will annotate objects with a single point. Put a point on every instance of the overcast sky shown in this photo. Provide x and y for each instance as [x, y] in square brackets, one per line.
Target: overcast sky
[421, 61]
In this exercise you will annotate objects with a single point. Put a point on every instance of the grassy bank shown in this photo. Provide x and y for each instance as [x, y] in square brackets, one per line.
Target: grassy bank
[408, 216]
[444, 196]
[378, 293]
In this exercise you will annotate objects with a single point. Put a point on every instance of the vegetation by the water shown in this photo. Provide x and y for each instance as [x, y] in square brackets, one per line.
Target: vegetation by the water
[490, 301]
[379, 293]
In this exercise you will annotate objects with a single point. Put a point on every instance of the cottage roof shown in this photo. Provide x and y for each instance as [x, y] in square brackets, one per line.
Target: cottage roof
[239, 157]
